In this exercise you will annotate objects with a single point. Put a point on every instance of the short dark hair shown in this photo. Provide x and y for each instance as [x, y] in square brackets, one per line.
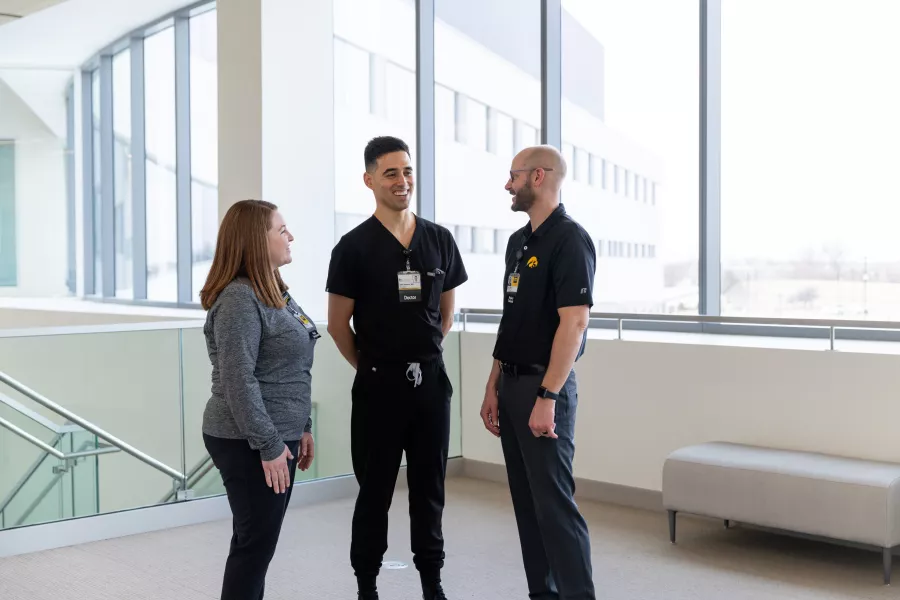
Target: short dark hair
[379, 146]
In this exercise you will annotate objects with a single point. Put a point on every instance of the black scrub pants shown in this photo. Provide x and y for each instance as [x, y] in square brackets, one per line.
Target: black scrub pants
[258, 513]
[391, 414]
[554, 536]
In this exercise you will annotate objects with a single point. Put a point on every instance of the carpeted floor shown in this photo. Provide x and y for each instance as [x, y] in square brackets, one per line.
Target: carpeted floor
[632, 557]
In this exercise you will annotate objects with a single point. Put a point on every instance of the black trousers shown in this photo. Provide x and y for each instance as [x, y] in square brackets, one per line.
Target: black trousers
[258, 514]
[392, 415]
[553, 534]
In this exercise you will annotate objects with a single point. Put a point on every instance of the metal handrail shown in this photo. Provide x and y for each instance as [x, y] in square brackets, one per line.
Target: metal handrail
[48, 449]
[198, 472]
[719, 320]
[46, 403]
[21, 483]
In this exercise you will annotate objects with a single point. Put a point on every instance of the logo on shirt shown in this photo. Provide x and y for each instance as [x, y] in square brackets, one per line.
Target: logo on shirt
[532, 262]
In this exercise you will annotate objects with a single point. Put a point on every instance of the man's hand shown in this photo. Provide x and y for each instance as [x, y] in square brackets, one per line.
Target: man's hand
[542, 418]
[307, 451]
[277, 475]
[490, 411]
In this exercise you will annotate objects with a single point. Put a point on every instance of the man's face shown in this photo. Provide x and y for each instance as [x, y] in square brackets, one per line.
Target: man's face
[521, 189]
[392, 181]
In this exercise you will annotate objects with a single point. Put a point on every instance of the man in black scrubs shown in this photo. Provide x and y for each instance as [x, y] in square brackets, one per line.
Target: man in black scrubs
[395, 275]
[531, 396]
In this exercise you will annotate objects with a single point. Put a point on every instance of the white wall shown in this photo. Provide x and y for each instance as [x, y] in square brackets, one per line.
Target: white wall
[40, 199]
[639, 401]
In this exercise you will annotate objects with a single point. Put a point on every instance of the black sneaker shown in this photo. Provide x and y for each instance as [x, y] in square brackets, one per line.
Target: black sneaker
[433, 591]
[367, 595]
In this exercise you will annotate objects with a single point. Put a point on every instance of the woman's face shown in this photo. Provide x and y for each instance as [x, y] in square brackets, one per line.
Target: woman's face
[279, 241]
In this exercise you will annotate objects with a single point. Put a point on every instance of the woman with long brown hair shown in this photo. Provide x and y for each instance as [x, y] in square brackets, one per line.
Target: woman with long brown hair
[256, 426]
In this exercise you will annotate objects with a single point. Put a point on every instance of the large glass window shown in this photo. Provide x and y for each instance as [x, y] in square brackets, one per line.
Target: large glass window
[375, 94]
[630, 98]
[98, 183]
[809, 151]
[204, 147]
[498, 104]
[8, 261]
[162, 246]
[121, 68]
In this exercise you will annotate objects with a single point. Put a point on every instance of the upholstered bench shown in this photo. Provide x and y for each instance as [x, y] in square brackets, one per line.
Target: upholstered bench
[833, 497]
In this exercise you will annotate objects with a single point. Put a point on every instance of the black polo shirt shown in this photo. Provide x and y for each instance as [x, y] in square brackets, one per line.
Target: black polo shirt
[365, 265]
[555, 267]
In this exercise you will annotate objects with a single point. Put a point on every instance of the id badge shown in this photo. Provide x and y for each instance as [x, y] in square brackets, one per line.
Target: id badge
[309, 326]
[512, 287]
[409, 285]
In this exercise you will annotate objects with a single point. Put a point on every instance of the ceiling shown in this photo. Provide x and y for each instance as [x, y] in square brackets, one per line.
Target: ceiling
[12, 10]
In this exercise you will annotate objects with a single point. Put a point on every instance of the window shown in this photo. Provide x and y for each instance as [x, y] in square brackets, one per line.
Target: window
[375, 94]
[568, 152]
[444, 114]
[204, 147]
[353, 88]
[581, 166]
[637, 108]
[471, 175]
[808, 188]
[526, 135]
[8, 261]
[504, 138]
[400, 93]
[476, 125]
[97, 184]
[122, 211]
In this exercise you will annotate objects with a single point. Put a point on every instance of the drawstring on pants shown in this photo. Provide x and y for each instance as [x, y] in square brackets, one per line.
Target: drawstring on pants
[414, 373]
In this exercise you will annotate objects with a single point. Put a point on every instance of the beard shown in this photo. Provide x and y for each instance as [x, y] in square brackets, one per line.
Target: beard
[523, 200]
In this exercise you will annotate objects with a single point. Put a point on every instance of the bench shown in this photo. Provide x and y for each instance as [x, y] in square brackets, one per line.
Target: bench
[844, 499]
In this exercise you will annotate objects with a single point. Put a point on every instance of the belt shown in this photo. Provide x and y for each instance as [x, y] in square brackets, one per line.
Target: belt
[517, 369]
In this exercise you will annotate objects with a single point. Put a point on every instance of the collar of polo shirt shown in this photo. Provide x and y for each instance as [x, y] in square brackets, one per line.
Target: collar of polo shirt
[549, 223]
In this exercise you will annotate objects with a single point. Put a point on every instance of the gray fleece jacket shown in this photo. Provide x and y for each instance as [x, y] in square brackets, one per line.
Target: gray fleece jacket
[261, 362]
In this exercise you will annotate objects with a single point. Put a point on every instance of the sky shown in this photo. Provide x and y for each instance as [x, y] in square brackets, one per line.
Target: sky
[810, 119]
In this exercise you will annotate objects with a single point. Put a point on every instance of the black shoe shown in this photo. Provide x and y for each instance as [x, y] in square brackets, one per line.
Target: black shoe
[367, 595]
[433, 591]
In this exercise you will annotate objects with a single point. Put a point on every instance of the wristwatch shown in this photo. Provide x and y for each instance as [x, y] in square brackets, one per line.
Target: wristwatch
[545, 393]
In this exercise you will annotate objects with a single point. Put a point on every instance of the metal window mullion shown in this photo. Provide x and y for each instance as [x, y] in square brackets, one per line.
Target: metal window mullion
[107, 179]
[183, 156]
[425, 135]
[138, 171]
[551, 73]
[70, 190]
[87, 172]
[710, 156]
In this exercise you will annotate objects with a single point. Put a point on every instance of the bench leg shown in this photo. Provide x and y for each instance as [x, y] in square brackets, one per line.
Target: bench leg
[672, 514]
[887, 558]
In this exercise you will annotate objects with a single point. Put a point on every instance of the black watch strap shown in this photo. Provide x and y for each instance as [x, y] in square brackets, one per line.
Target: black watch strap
[545, 393]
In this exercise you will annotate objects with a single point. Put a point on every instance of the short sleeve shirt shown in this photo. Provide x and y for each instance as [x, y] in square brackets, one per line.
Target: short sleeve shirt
[546, 270]
[368, 264]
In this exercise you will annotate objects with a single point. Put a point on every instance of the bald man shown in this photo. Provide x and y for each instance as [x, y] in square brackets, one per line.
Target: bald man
[531, 396]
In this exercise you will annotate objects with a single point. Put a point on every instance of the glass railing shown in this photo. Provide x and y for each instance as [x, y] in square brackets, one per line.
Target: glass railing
[144, 389]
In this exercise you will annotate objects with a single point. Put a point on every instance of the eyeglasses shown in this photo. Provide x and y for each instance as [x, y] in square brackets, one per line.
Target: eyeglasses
[511, 176]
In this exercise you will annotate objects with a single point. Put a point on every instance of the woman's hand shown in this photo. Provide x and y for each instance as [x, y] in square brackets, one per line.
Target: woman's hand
[278, 477]
[307, 451]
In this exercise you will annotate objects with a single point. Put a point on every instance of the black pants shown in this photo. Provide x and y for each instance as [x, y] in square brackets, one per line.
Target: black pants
[392, 414]
[553, 534]
[258, 514]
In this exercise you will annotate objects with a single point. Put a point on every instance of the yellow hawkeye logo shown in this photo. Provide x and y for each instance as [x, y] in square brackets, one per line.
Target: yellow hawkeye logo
[532, 262]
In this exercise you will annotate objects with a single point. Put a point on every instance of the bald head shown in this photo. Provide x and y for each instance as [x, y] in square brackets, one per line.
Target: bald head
[545, 157]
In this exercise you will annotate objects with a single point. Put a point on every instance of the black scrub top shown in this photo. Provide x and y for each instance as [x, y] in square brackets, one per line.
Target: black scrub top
[394, 321]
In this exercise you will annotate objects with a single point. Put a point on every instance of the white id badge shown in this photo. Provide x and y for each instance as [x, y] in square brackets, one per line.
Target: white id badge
[409, 284]
[512, 287]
